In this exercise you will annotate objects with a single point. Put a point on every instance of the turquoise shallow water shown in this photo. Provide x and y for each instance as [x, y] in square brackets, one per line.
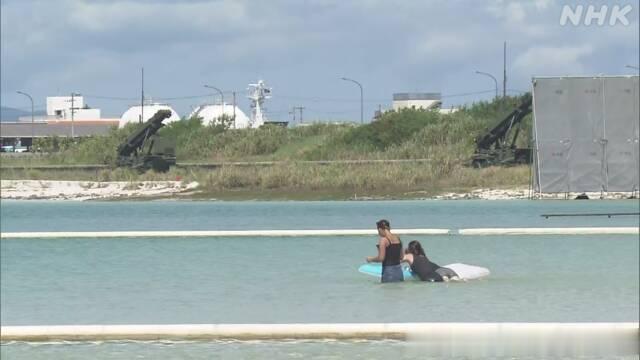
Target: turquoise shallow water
[206, 215]
[325, 350]
[306, 279]
[282, 280]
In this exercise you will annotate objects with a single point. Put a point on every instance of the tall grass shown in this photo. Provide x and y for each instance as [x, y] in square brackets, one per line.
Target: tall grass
[446, 140]
[404, 134]
[350, 178]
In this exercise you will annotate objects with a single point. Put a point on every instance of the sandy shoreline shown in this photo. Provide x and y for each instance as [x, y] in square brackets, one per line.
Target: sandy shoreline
[122, 190]
[91, 190]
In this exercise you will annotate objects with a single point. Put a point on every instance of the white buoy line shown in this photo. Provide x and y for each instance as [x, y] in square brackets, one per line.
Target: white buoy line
[553, 231]
[215, 233]
[443, 332]
[334, 232]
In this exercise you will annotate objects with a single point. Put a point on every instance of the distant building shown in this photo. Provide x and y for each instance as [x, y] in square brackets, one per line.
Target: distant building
[66, 117]
[210, 114]
[139, 114]
[425, 101]
[66, 107]
[22, 132]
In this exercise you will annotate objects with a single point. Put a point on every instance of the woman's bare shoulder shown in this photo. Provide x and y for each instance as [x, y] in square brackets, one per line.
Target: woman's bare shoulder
[395, 239]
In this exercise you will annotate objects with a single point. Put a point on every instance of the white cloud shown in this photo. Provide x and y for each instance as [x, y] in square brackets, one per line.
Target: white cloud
[515, 12]
[123, 15]
[540, 60]
[542, 4]
[522, 18]
[510, 11]
[84, 44]
[439, 47]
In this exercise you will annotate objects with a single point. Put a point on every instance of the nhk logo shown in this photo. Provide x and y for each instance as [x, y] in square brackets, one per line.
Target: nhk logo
[577, 15]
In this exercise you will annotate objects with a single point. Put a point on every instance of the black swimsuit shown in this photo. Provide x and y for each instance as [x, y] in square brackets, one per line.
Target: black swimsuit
[392, 254]
[425, 269]
[391, 268]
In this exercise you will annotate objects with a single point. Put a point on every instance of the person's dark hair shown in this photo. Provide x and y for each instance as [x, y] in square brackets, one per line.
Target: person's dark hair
[415, 248]
[383, 224]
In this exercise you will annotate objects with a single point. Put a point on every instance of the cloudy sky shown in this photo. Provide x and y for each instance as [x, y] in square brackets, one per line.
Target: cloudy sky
[300, 48]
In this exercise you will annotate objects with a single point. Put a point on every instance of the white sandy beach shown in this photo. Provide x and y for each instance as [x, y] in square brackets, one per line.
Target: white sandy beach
[526, 193]
[114, 190]
[90, 190]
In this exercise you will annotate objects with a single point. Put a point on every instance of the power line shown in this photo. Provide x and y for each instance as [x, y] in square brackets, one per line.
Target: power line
[322, 99]
[184, 97]
[305, 98]
[517, 91]
[468, 93]
[35, 107]
[102, 97]
[331, 112]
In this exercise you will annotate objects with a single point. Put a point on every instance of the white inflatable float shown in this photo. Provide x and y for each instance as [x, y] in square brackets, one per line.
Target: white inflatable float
[465, 272]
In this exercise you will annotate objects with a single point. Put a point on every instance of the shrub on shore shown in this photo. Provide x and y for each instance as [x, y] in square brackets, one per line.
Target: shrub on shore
[405, 134]
[446, 141]
[362, 179]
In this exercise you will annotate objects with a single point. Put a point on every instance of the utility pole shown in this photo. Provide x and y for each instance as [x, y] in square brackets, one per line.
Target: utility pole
[492, 77]
[234, 109]
[361, 98]
[73, 111]
[294, 113]
[32, 132]
[142, 98]
[220, 92]
[504, 67]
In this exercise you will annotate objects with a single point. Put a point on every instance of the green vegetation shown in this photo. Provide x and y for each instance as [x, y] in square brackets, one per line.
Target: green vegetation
[447, 141]
[309, 181]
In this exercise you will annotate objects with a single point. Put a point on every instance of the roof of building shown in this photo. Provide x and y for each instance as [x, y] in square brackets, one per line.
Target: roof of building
[416, 96]
[61, 129]
[211, 113]
[135, 112]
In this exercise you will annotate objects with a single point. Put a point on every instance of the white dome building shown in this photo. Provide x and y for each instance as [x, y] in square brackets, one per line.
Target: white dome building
[210, 114]
[134, 114]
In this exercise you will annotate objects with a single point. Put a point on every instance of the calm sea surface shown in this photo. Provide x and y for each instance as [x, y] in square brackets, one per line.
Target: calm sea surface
[306, 279]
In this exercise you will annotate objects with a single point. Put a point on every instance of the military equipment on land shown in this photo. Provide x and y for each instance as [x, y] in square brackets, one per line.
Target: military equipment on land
[144, 150]
[494, 148]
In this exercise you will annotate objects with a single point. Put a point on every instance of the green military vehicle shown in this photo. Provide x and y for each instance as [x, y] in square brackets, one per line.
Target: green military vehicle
[144, 149]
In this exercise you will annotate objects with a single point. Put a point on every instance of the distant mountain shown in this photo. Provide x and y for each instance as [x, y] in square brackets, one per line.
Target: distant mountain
[11, 114]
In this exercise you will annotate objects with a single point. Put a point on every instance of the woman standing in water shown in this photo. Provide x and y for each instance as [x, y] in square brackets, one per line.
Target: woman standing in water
[389, 253]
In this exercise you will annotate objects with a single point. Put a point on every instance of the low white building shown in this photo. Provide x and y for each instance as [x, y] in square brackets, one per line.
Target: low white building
[138, 114]
[425, 101]
[61, 107]
[211, 114]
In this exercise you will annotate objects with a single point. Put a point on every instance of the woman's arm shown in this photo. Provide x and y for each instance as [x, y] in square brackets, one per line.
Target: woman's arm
[382, 250]
[408, 258]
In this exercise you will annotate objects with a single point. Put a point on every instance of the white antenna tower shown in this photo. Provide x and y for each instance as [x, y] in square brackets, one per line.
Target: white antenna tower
[258, 93]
